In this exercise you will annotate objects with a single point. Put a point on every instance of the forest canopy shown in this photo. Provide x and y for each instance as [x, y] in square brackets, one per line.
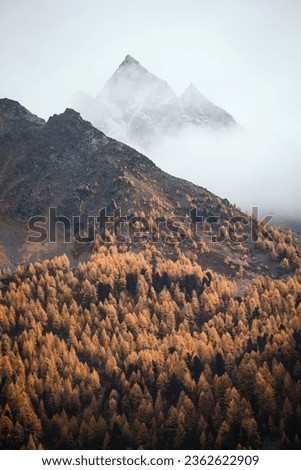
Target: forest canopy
[134, 350]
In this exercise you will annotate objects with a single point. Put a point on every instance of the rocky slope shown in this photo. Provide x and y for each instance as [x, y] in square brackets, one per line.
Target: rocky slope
[67, 164]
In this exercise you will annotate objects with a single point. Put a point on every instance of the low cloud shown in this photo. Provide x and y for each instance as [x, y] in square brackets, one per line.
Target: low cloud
[250, 167]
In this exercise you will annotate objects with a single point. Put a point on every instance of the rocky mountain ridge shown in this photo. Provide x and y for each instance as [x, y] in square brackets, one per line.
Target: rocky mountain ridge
[70, 166]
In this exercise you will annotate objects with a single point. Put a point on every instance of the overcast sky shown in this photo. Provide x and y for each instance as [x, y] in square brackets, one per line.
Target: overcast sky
[243, 55]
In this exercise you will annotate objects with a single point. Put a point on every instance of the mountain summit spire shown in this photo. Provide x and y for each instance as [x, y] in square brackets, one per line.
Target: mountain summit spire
[129, 60]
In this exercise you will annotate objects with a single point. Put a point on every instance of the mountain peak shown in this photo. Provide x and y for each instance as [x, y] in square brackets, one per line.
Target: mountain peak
[15, 118]
[129, 60]
[69, 123]
[193, 93]
[14, 110]
[8, 103]
[192, 88]
[138, 108]
[130, 70]
[68, 115]
[72, 114]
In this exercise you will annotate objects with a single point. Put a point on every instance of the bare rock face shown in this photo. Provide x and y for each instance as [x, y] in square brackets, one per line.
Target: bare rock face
[15, 119]
[138, 108]
[69, 164]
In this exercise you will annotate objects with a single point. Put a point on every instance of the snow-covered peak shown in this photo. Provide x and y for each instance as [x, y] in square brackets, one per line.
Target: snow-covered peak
[192, 89]
[139, 108]
[134, 104]
[129, 61]
[192, 94]
[129, 75]
[132, 87]
[200, 111]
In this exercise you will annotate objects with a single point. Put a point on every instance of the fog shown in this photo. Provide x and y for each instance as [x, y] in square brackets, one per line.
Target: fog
[252, 166]
[244, 56]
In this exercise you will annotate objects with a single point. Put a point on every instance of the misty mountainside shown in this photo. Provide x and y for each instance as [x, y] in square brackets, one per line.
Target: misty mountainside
[138, 108]
[68, 164]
